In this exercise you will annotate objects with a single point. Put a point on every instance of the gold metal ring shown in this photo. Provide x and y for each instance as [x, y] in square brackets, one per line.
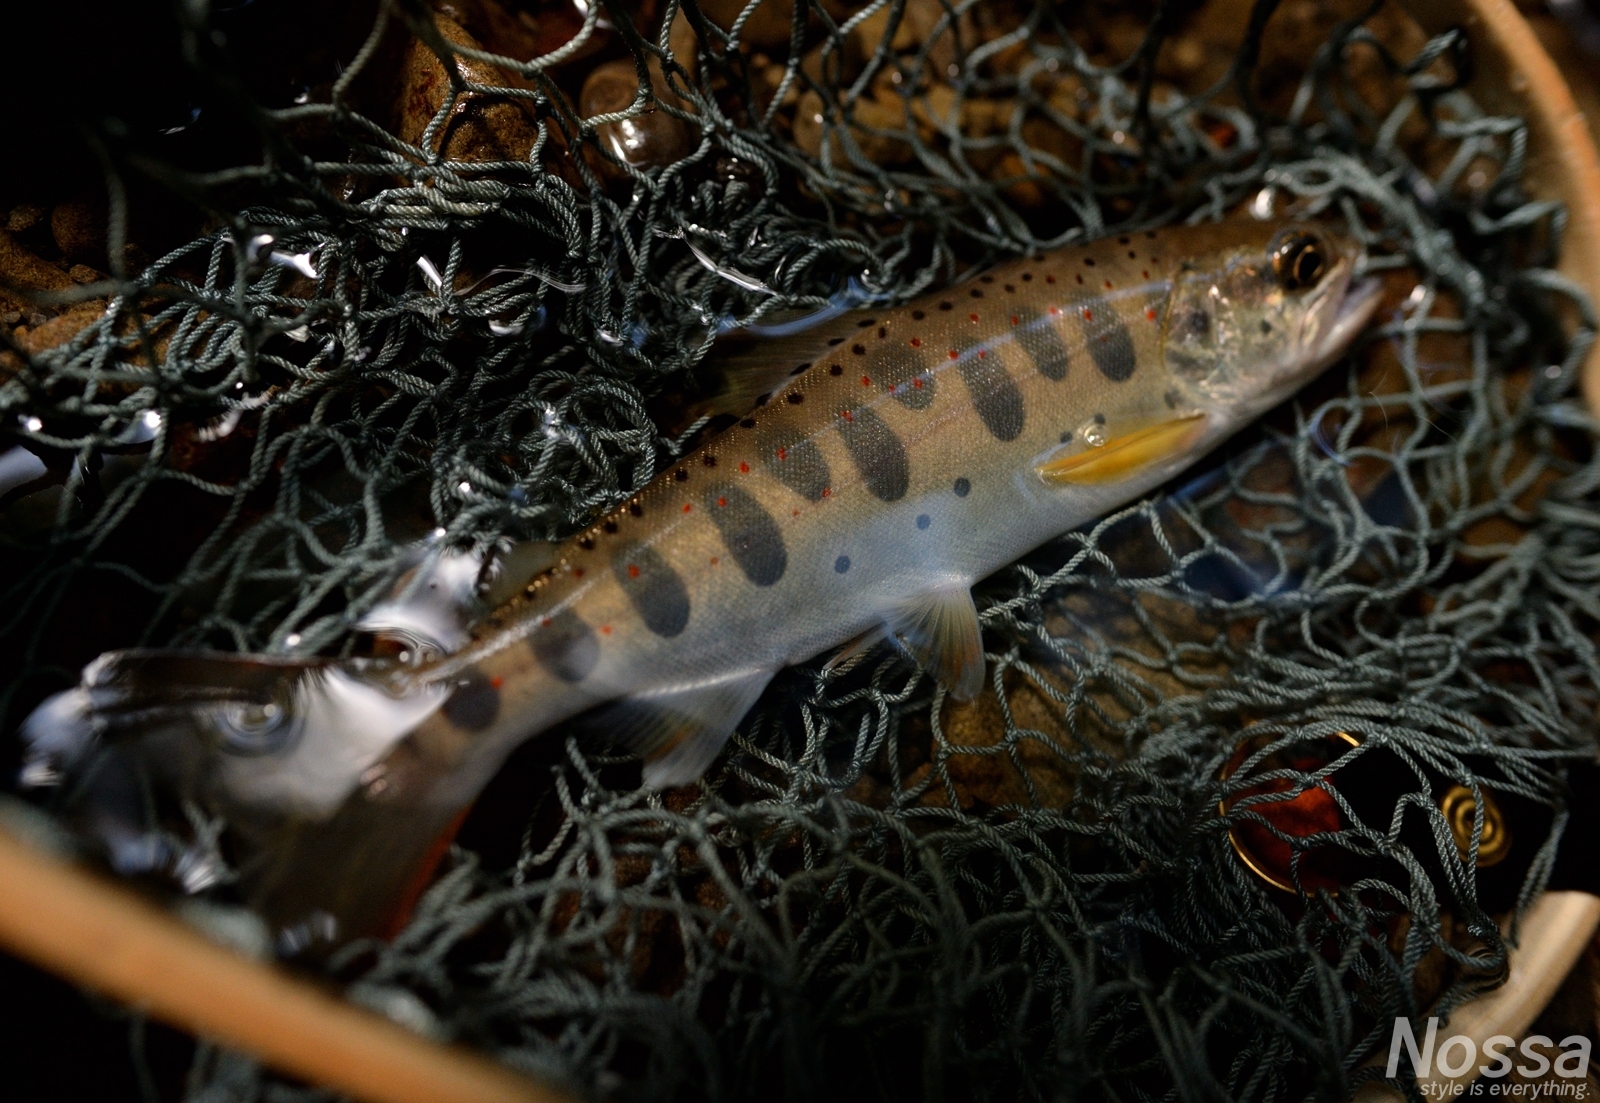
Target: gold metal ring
[1250, 861]
[1459, 807]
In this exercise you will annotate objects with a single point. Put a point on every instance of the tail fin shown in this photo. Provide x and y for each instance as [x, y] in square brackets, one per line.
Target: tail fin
[265, 741]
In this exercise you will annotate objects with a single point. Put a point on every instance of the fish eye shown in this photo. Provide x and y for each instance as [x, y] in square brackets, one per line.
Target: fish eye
[1299, 262]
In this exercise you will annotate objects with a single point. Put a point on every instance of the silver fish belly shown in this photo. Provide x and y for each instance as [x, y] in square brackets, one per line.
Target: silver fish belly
[902, 456]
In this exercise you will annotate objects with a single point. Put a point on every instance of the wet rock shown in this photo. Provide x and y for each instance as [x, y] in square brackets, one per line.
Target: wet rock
[651, 139]
[767, 28]
[60, 329]
[537, 30]
[482, 126]
[79, 230]
[24, 217]
[873, 123]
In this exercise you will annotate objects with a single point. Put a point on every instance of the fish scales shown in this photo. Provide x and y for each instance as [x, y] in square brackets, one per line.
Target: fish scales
[898, 491]
[905, 454]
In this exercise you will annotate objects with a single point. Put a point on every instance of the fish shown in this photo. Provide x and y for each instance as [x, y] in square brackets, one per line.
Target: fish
[882, 463]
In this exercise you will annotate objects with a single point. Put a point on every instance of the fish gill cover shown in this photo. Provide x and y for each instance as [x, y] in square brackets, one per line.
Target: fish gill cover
[344, 273]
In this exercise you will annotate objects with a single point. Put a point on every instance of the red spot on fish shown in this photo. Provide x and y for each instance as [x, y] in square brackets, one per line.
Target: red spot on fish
[1150, 314]
[722, 503]
[1078, 278]
[1145, 273]
[544, 622]
[1108, 285]
[1055, 310]
[1088, 315]
[865, 382]
[796, 513]
[783, 453]
[917, 382]
[633, 572]
[954, 355]
[916, 342]
[848, 416]
[605, 629]
[974, 317]
[827, 492]
[715, 560]
[1015, 319]
[982, 353]
[577, 572]
[497, 681]
[1049, 279]
[687, 507]
[744, 468]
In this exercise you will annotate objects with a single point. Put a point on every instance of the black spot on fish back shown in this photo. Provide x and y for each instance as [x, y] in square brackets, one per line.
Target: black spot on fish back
[905, 376]
[752, 536]
[474, 703]
[994, 393]
[1042, 342]
[879, 455]
[796, 461]
[1108, 340]
[657, 593]
[566, 647]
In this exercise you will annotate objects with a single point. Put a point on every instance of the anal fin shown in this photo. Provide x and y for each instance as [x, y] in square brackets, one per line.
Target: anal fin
[940, 631]
[1125, 455]
[680, 729]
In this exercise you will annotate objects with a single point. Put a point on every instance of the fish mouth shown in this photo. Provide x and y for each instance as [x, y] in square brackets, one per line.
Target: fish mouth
[1357, 302]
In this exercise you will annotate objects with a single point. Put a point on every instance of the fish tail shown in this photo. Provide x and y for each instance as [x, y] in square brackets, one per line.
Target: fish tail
[281, 748]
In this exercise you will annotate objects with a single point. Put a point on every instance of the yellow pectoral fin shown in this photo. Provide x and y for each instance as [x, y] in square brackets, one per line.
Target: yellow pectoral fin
[1125, 455]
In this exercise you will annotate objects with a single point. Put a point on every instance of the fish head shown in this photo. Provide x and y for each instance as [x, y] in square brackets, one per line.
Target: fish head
[1244, 331]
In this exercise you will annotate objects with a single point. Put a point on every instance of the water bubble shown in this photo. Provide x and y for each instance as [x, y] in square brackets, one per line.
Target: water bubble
[1093, 433]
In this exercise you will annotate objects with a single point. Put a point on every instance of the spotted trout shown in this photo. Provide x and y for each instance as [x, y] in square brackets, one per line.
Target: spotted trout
[892, 459]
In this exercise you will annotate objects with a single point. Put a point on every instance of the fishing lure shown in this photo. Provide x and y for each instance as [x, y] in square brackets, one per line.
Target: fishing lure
[901, 456]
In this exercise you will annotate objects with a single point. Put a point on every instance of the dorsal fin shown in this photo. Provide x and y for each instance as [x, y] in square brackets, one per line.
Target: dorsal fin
[751, 363]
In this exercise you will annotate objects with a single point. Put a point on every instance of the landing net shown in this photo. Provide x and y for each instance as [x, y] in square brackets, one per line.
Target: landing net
[427, 305]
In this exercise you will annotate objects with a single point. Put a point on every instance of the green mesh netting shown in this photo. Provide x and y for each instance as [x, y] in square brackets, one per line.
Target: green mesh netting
[394, 324]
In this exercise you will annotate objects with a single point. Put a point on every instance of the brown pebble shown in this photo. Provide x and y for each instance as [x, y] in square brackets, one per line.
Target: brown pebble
[24, 217]
[482, 127]
[79, 229]
[767, 28]
[649, 140]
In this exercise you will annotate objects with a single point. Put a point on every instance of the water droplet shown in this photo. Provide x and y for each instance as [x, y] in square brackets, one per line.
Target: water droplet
[1093, 433]
[1261, 206]
[430, 272]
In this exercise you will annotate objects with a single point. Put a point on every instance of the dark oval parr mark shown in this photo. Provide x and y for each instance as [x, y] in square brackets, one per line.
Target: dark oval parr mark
[752, 536]
[566, 647]
[878, 454]
[995, 395]
[1042, 342]
[907, 378]
[797, 462]
[473, 704]
[1109, 343]
[657, 593]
